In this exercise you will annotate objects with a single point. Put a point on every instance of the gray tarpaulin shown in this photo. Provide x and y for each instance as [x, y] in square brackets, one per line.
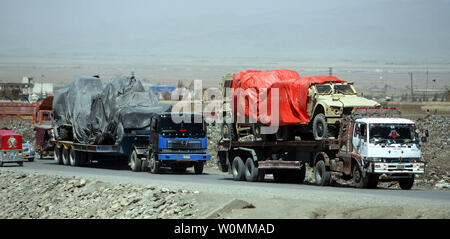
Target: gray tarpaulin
[108, 110]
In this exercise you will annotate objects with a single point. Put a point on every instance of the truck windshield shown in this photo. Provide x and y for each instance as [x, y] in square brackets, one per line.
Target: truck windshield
[171, 129]
[343, 89]
[391, 133]
[323, 89]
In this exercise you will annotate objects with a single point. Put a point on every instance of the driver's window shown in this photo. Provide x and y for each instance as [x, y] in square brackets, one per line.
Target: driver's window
[363, 130]
[356, 132]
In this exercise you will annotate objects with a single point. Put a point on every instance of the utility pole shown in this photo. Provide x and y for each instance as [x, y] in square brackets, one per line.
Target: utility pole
[426, 87]
[412, 91]
[330, 71]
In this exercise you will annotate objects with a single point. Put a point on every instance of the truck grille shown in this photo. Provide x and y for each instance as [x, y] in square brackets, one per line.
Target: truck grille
[347, 110]
[184, 144]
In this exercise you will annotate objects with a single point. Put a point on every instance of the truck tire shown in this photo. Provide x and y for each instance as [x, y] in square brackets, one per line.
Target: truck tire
[222, 161]
[228, 132]
[72, 157]
[144, 167]
[320, 127]
[198, 167]
[406, 183]
[251, 171]
[238, 169]
[321, 174]
[359, 180]
[154, 164]
[66, 155]
[57, 155]
[135, 162]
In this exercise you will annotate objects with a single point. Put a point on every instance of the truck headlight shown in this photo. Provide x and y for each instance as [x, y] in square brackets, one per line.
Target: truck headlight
[335, 110]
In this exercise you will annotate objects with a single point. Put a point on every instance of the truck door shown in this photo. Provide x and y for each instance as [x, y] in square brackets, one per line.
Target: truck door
[359, 138]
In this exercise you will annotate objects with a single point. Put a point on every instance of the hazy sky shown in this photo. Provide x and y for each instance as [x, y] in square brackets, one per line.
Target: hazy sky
[376, 29]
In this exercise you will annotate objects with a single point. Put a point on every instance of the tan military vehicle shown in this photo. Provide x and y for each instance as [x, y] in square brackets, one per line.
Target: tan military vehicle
[326, 104]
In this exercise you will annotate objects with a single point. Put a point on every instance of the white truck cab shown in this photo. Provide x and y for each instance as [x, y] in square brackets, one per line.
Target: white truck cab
[389, 143]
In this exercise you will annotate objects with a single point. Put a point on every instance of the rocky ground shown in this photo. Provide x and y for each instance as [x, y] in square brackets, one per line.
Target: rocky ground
[31, 195]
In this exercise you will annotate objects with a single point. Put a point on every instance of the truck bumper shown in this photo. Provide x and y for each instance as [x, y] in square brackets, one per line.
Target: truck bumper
[184, 157]
[11, 157]
[395, 168]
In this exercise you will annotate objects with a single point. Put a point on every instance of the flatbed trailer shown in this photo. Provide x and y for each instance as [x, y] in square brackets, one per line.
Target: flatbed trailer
[133, 144]
[286, 160]
[374, 145]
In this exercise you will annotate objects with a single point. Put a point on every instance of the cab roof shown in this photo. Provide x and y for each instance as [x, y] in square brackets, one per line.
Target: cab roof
[385, 121]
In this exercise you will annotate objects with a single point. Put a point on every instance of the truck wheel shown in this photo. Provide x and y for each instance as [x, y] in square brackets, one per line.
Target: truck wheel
[144, 167]
[251, 171]
[57, 156]
[359, 180]
[320, 127]
[154, 164]
[406, 183]
[238, 169]
[222, 161]
[198, 167]
[135, 162]
[66, 155]
[228, 132]
[321, 174]
[74, 158]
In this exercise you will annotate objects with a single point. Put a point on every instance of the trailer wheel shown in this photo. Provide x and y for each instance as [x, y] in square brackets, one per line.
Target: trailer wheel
[359, 180]
[74, 158]
[251, 171]
[406, 183]
[228, 132]
[321, 174]
[66, 155]
[238, 169]
[57, 155]
[144, 167]
[135, 162]
[320, 127]
[154, 164]
[198, 167]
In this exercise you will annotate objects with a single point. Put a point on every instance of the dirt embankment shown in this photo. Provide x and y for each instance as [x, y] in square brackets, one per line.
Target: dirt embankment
[25, 195]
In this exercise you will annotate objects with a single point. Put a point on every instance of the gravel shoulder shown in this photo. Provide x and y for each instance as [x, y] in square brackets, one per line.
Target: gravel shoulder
[32, 193]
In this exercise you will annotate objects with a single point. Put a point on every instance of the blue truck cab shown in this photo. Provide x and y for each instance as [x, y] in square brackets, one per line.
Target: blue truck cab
[177, 141]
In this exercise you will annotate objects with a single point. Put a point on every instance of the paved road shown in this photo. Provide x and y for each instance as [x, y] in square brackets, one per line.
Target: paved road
[214, 181]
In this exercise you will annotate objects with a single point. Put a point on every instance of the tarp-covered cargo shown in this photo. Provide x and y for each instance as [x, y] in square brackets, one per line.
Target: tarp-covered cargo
[101, 114]
[123, 104]
[293, 96]
[72, 105]
[292, 90]
[255, 83]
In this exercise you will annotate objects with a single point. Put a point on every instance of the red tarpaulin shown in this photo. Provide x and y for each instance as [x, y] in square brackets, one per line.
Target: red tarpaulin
[293, 92]
[260, 81]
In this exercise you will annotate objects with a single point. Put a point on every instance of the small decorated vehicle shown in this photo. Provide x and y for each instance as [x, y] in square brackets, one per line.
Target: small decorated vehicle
[10, 148]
